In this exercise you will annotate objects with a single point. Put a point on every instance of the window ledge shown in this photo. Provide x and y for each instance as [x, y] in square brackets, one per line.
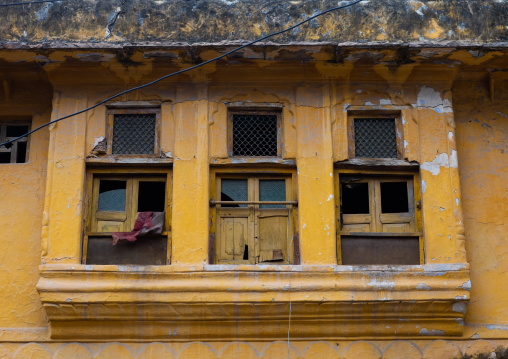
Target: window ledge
[252, 161]
[377, 162]
[109, 160]
[211, 301]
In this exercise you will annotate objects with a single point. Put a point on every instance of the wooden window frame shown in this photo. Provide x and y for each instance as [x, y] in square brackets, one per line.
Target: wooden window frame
[374, 177]
[252, 213]
[91, 200]
[261, 112]
[375, 114]
[14, 149]
[133, 111]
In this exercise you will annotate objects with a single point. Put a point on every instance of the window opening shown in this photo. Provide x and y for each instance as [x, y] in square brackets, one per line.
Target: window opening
[375, 138]
[255, 135]
[134, 133]
[151, 196]
[258, 230]
[127, 220]
[379, 221]
[355, 198]
[394, 197]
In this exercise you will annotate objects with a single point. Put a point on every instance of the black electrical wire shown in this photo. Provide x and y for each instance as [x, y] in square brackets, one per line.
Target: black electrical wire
[29, 2]
[180, 72]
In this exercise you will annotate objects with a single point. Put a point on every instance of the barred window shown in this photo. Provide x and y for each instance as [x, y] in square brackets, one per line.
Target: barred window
[18, 152]
[133, 132]
[375, 138]
[254, 134]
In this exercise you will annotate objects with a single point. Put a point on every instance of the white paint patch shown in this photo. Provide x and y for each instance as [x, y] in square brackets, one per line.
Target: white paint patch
[430, 98]
[403, 120]
[229, 2]
[385, 102]
[457, 201]
[459, 307]
[330, 197]
[169, 154]
[304, 225]
[450, 135]
[424, 186]
[382, 284]
[97, 140]
[368, 103]
[425, 331]
[423, 286]
[496, 326]
[466, 285]
[331, 174]
[405, 143]
[454, 162]
[345, 107]
[435, 165]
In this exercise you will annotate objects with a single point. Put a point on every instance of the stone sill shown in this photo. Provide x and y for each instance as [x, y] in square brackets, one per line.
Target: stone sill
[226, 302]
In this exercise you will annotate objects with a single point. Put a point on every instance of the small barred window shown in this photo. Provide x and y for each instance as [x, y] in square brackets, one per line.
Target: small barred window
[134, 133]
[255, 135]
[375, 138]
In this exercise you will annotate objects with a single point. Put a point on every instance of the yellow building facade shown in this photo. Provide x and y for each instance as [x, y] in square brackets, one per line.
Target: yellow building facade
[318, 268]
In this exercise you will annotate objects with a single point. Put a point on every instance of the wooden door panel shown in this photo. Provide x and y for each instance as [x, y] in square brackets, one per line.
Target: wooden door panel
[233, 238]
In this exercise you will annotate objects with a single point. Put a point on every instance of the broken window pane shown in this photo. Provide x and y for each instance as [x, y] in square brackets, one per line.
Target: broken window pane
[355, 198]
[394, 197]
[134, 133]
[379, 250]
[5, 157]
[21, 152]
[255, 135]
[234, 190]
[375, 138]
[112, 195]
[272, 190]
[16, 131]
[151, 196]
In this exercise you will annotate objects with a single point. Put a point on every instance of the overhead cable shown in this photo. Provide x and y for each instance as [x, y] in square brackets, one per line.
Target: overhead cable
[181, 71]
[29, 2]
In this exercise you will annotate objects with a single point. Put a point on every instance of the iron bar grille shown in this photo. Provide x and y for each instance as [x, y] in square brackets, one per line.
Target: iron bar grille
[134, 134]
[375, 138]
[255, 135]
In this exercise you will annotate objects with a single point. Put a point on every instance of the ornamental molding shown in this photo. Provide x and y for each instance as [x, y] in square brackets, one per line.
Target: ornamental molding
[222, 302]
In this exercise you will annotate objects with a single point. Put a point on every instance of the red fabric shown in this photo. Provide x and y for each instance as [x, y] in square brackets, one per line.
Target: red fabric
[144, 220]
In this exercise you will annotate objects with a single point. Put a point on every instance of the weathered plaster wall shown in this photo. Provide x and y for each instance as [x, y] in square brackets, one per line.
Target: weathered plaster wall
[387, 21]
[25, 94]
[316, 97]
[482, 137]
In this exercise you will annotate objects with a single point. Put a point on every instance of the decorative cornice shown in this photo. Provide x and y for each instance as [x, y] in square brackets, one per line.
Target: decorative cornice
[254, 302]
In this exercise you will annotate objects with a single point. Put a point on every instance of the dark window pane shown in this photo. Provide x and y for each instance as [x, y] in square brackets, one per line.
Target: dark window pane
[112, 195]
[15, 131]
[5, 157]
[147, 250]
[375, 138]
[234, 190]
[394, 197]
[379, 250]
[254, 135]
[21, 154]
[355, 198]
[272, 190]
[151, 196]
[134, 134]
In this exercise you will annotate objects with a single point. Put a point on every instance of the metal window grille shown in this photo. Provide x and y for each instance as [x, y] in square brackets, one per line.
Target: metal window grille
[255, 135]
[133, 134]
[375, 138]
